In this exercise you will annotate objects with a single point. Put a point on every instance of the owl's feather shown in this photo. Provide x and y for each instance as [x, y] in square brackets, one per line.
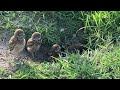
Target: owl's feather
[12, 43]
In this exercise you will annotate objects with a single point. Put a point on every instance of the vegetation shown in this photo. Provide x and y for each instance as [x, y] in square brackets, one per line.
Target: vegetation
[98, 30]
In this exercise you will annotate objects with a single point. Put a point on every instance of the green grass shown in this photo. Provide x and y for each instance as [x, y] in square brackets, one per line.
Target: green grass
[98, 30]
[96, 64]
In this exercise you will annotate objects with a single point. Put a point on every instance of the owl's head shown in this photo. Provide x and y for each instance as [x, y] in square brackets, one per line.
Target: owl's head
[56, 47]
[19, 34]
[55, 50]
[36, 36]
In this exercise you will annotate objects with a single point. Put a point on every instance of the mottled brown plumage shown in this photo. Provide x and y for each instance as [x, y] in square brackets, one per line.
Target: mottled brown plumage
[34, 43]
[55, 50]
[17, 42]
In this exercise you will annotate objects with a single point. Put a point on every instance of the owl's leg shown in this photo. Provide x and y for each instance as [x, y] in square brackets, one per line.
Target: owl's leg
[33, 55]
[17, 62]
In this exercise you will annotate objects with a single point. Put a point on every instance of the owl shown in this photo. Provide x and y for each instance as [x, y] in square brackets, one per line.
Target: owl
[34, 43]
[17, 42]
[54, 51]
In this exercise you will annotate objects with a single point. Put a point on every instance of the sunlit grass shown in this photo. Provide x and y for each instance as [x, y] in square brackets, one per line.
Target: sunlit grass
[101, 32]
[99, 64]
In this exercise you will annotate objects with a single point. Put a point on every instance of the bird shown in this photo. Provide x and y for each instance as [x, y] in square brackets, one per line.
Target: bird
[54, 51]
[34, 43]
[17, 42]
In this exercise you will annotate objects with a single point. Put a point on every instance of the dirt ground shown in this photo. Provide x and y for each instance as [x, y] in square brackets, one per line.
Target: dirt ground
[6, 58]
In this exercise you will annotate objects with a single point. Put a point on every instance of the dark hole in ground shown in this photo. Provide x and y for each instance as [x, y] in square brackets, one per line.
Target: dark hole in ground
[41, 55]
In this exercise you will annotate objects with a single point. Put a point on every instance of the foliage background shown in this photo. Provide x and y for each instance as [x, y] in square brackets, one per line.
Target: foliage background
[98, 30]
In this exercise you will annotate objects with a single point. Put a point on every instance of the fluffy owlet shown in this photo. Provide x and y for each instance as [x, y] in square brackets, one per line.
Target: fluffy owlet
[54, 51]
[17, 42]
[34, 43]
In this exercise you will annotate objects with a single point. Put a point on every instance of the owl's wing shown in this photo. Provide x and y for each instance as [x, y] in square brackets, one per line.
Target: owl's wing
[38, 42]
[51, 51]
[30, 43]
[12, 43]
